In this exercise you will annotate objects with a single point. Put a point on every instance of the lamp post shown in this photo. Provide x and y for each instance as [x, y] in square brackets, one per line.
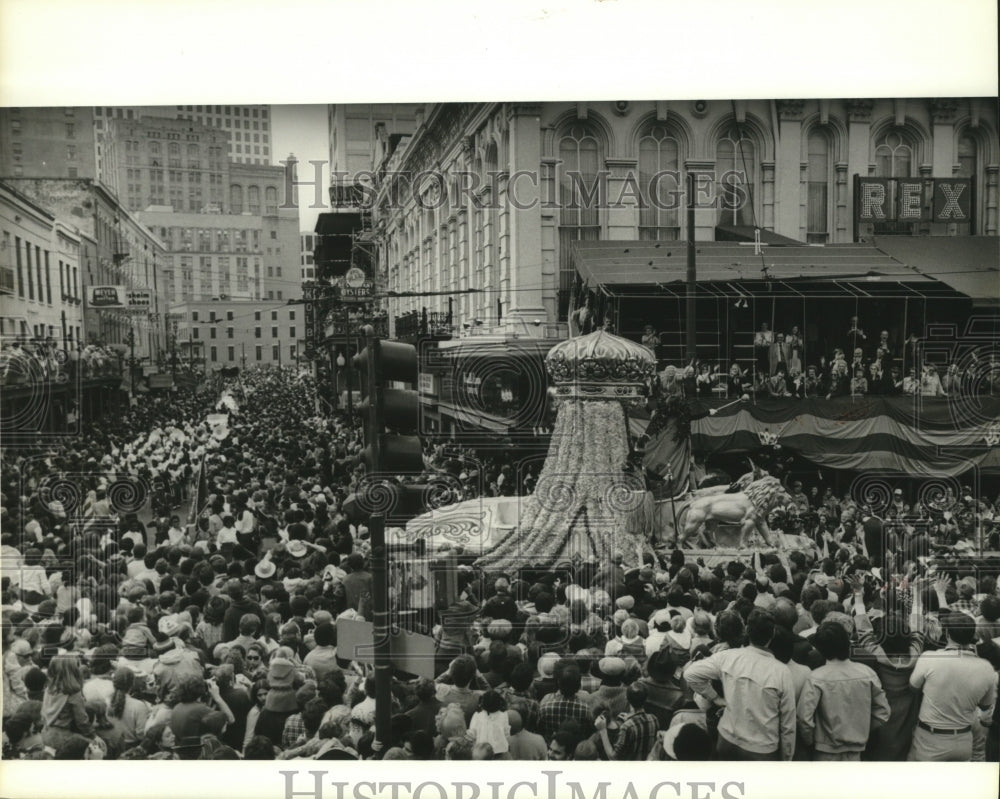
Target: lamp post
[341, 363]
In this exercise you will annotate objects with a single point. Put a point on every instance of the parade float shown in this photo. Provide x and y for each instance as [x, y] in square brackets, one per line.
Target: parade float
[591, 501]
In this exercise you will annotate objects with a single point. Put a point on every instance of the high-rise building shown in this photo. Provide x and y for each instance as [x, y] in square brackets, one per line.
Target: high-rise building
[169, 162]
[54, 142]
[249, 127]
[245, 251]
[360, 137]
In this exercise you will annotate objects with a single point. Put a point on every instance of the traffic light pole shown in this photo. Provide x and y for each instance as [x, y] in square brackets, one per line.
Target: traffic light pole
[380, 554]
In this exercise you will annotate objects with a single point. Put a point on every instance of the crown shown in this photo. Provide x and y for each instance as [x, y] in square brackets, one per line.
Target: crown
[600, 365]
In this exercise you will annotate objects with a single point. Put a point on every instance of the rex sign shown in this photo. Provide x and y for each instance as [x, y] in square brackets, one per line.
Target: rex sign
[912, 199]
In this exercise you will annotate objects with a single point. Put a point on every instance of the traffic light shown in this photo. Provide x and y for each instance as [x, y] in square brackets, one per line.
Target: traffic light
[392, 418]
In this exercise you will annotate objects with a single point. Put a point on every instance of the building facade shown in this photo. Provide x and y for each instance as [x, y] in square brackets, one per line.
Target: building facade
[520, 183]
[248, 126]
[40, 275]
[307, 248]
[52, 142]
[241, 334]
[167, 162]
[115, 249]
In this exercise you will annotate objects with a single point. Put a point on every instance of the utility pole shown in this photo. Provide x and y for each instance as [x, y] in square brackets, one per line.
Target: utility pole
[692, 273]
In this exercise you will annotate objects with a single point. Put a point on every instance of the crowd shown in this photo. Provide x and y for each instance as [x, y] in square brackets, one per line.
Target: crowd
[24, 361]
[216, 638]
[861, 367]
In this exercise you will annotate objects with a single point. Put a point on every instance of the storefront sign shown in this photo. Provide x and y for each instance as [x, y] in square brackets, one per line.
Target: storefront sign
[355, 286]
[912, 199]
[140, 298]
[106, 297]
[425, 383]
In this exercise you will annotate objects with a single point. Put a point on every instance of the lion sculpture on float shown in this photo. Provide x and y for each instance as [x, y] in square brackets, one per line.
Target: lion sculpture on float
[750, 508]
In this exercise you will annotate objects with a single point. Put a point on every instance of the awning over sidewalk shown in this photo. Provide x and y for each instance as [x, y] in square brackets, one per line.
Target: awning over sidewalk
[969, 264]
[626, 267]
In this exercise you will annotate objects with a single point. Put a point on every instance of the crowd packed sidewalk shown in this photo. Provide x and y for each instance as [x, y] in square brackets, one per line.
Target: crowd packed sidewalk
[216, 638]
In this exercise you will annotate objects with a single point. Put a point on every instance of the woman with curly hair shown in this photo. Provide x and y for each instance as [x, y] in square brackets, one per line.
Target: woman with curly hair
[63, 706]
[125, 711]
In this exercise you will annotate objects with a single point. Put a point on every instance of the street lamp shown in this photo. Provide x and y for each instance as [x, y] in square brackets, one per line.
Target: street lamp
[341, 363]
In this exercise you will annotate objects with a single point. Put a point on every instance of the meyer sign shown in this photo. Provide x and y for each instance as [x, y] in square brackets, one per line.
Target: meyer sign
[912, 199]
[106, 297]
[119, 297]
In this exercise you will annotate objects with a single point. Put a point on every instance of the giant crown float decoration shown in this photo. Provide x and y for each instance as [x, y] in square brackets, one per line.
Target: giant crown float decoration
[601, 366]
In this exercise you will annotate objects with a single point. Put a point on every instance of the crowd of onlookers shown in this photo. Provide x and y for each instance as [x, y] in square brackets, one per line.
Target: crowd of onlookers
[215, 637]
[861, 367]
[28, 361]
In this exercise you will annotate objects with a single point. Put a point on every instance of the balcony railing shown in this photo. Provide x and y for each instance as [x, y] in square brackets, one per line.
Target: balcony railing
[417, 324]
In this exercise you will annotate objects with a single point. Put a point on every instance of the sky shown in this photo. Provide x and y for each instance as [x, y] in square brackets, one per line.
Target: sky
[301, 129]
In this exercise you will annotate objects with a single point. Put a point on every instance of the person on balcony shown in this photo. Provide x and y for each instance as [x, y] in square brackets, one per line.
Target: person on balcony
[762, 349]
[777, 386]
[930, 383]
[793, 341]
[859, 385]
[778, 354]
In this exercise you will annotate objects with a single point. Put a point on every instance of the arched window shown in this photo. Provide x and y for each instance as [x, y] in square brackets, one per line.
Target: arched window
[253, 199]
[236, 198]
[271, 199]
[818, 191]
[192, 150]
[736, 178]
[967, 161]
[173, 148]
[580, 160]
[894, 155]
[967, 153]
[659, 181]
[895, 158]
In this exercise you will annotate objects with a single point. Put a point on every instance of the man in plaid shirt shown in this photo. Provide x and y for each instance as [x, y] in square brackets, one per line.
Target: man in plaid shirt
[637, 734]
[564, 704]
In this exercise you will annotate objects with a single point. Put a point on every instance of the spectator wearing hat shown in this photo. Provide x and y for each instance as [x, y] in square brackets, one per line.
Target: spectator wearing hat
[280, 703]
[660, 622]
[611, 692]
[16, 663]
[664, 691]
[956, 685]
[758, 721]
[841, 702]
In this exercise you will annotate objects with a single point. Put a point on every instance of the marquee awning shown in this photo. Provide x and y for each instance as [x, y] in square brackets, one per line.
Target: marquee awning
[969, 264]
[625, 268]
